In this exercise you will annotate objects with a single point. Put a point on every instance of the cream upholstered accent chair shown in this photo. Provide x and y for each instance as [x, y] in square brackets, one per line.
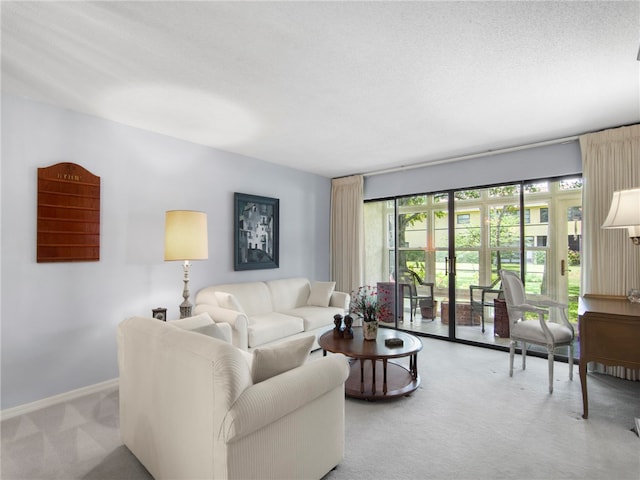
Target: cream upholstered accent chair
[538, 332]
[195, 407]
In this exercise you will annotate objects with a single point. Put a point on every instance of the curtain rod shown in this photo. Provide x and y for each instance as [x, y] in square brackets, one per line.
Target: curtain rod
[473, 155]
[572, 138]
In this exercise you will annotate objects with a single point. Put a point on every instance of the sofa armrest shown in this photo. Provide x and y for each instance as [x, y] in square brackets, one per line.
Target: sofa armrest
[226, 330]
[202, 319]
[267, 401]
[237, 320]
[340, 300]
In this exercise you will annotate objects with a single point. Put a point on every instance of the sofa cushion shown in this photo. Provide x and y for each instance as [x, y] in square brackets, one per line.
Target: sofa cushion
[288, 293]
[321, 293]
[315, 317]
[271, 361]
[253, 298]
[273, 326]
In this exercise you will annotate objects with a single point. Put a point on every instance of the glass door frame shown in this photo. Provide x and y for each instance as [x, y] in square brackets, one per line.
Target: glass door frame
[433, 253]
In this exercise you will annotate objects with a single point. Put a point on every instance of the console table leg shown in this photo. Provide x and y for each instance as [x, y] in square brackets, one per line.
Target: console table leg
[361, 375]
[583, 382]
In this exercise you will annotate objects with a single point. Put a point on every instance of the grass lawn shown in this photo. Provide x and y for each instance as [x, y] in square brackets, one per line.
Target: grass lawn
[533, 285]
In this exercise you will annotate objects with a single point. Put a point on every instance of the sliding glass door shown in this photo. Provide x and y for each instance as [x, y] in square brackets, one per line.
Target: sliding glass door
[553, 235]
[438, 255]
[406, 242]
[487, 238]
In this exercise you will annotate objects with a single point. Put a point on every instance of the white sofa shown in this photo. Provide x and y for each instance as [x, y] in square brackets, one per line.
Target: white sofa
[263, 313]
[189, 408]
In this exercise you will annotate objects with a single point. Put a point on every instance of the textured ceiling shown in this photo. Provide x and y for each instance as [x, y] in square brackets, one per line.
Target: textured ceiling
[334, 88]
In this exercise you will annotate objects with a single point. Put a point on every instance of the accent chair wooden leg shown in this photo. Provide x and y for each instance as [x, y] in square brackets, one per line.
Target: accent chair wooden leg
[512, 352]
[550, 370]
[571, 361]
[524, 355]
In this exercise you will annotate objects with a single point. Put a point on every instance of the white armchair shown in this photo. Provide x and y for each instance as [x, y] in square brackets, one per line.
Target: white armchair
[191, 407]
[538, 332]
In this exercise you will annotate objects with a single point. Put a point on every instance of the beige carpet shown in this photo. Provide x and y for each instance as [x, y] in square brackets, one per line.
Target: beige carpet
[468, 420]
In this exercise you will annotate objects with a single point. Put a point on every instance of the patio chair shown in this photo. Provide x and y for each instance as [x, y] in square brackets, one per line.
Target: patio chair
[484, 296]
[409, 282]
[538, 332]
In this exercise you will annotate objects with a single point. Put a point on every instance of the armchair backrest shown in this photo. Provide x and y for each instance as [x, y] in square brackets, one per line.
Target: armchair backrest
[410, 278]
[176, 387]
[514, 293]
[404, 276]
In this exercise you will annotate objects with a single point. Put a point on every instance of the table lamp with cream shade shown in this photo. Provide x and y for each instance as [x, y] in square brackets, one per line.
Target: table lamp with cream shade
[625, 213]
[185, 239]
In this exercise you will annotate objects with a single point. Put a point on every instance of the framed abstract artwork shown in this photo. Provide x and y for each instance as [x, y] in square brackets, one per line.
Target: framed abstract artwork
[256, 232]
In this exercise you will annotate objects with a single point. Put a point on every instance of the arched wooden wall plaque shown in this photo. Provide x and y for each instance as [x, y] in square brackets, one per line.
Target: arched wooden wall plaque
[68, 214]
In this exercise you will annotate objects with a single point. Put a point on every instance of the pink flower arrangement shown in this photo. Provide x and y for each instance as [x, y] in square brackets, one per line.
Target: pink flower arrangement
[365, 302]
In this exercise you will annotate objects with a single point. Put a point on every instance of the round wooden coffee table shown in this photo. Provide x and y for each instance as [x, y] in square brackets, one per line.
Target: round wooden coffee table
[365, 380]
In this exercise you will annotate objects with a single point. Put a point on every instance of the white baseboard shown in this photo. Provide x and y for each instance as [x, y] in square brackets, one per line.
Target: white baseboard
[62, 397]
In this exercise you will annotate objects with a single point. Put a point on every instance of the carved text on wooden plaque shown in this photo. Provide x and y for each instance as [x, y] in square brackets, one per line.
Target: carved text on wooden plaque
[68, 214]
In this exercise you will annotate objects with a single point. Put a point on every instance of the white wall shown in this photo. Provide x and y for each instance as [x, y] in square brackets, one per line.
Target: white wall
[59, 319]
[530, 164]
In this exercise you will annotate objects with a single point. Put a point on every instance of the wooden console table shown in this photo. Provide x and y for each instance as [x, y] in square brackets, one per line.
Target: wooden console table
[609, 334]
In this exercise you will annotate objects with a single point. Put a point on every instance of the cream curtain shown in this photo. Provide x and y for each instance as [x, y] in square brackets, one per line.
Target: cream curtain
[610, 262]
[347, 232]
[610, 162]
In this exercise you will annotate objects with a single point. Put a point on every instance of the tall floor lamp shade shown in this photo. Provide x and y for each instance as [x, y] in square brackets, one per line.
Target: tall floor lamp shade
[625, 213]
[185, 239]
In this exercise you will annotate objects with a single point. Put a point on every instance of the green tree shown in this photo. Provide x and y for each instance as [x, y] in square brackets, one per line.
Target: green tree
[503, 220]
[410, 259]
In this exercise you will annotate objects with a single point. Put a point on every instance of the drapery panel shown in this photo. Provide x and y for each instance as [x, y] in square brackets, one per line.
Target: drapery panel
[610, 162]
[347, 232]
[610, 262]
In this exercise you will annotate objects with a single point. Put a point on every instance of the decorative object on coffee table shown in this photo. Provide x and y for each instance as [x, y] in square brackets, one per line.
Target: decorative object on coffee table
[370, 329]
[337, 330]
[393, 342]
[365, 302]
[348, 331]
